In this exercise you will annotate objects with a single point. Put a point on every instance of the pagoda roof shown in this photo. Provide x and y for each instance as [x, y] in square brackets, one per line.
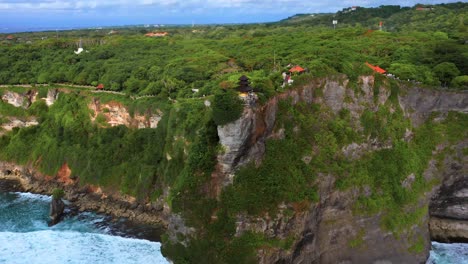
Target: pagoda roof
[297, 68]
[376, 68]
[243, 78]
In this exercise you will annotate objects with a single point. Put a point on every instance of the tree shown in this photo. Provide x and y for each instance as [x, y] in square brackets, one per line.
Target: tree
[227, 107]
[446, 71]
[43, 77]
[404, 71]
[460, 82]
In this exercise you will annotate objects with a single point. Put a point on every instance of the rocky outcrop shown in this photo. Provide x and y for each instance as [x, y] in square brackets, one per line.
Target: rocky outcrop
[52, 96]
[328, 231]
[57, 207]
[16, 122]
[117, 114]
[235, 138]
[420, 103]
[449, 205]
[10, 185]
[20, 100]
[85, 197]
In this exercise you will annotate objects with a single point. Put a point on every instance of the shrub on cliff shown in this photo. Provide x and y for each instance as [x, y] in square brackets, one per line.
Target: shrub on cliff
[57, 193]
[227, 107]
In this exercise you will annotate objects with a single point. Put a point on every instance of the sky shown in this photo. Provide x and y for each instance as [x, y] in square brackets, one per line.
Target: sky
[21, 14]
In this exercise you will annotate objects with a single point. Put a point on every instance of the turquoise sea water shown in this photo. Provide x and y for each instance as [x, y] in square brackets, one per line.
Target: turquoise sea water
[448, 253]
[25, 238]
[82, 238]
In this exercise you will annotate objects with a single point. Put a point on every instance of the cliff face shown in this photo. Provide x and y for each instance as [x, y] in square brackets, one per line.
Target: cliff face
[20, 100]
[449, 205]
[84, 196]
[116, 114]
[329, 231]
[331, 227]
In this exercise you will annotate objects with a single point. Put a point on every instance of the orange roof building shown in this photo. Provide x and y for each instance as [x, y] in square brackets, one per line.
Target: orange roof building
[376, 68]
[157, 34]
[100, 87]
[297, 68]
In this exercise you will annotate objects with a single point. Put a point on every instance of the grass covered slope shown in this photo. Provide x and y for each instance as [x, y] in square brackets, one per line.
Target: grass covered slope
[132, 161]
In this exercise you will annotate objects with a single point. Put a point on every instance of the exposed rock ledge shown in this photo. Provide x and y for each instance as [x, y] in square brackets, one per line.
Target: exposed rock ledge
[325, 233]
[449, 206]
[448, 230]
[117, 114]
[85, 198]
[15, 122]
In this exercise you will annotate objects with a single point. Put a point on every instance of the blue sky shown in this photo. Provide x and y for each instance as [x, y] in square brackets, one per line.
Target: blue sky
[91, 13]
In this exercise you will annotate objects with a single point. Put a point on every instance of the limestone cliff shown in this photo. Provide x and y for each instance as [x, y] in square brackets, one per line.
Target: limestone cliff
[20, 100]
[329, 231]
[449, 205]
[116, 114]
[84, 196]
[13, 122]
[325, 228]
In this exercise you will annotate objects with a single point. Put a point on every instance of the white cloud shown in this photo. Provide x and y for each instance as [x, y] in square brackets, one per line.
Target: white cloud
[267, 5]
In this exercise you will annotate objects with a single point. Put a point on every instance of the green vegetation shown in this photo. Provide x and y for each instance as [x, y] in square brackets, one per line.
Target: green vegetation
[427, 47]
[181, 72]
[418, 246]
[227, 107]
[358, 241]
[58, 194]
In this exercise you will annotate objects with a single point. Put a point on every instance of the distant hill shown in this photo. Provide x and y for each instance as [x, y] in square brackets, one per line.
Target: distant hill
[441, 17]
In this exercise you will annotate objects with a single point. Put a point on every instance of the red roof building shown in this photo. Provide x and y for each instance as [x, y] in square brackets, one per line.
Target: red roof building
[157, 34]
[10, 37]
[297, 68]
[376, 68]
[100, 87]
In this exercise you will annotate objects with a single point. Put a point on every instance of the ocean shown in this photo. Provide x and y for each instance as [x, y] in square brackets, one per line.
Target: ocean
[84, 237]
[25, 237]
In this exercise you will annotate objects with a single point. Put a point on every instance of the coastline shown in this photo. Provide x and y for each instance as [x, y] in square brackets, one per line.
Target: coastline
[19, 178]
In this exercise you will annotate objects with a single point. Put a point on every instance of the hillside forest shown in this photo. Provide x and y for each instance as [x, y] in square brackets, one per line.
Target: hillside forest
[187, 79]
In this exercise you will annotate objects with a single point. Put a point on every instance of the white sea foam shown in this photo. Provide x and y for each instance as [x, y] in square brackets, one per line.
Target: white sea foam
[25, 237]
[448, 253]
[51, 247]
[22, 197]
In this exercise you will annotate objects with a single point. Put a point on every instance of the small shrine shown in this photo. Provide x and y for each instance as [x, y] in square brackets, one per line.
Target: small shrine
[244, 85]
[246, 92]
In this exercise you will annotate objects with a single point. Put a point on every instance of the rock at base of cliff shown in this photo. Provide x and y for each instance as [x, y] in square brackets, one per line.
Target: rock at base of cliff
[449, 230]
[57, 208]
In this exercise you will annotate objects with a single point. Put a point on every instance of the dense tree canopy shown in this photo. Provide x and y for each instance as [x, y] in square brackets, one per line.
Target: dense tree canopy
[413, 45]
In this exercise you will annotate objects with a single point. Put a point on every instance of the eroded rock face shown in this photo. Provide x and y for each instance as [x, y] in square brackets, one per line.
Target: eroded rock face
[14, 122]
[449, 205]
[333, 234]
[20, 100]
[117, 114]
[52, 96]
[85, 198]
[57, 207]
[15, 99]
[235, 139]
[329, 232]
[419, 103]
[334, 94]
